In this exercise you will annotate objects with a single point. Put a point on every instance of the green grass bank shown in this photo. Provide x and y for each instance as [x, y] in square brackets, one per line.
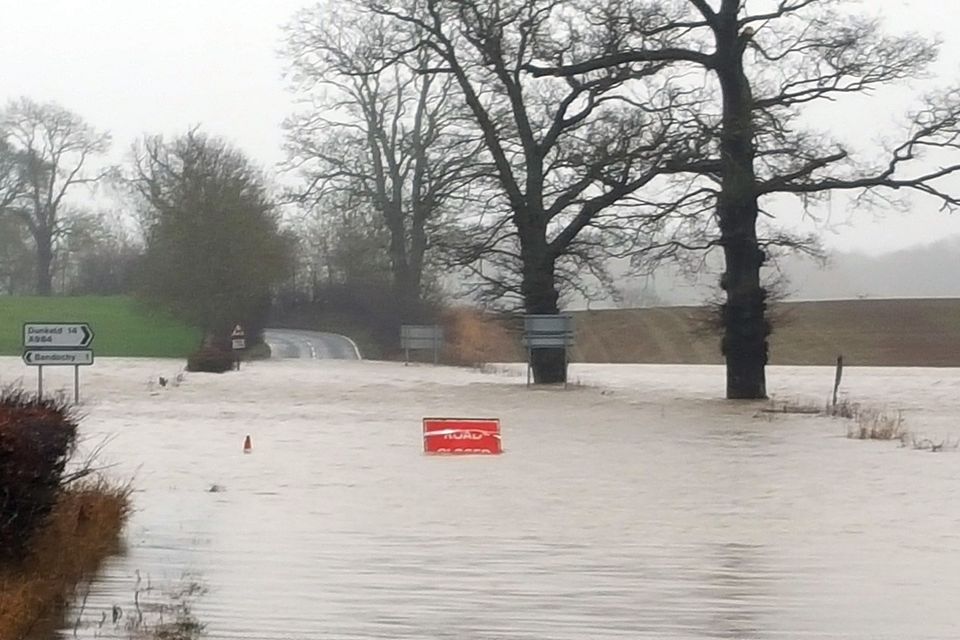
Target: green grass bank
[121, 325]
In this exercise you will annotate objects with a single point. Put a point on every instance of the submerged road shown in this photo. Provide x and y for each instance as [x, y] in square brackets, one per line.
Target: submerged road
[294, 343]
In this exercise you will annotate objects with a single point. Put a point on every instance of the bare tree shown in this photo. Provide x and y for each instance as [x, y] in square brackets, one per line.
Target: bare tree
[767, 66]
[53, 147]
[565, 153]
[342, 242]
[376, 135]
[15, 262]
[11, 173]
[16, 257]
[100, 256]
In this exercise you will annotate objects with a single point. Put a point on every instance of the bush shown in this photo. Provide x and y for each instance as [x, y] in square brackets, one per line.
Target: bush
[871, 423]
[211, 359]
[37, 437]
[877, 425]
[82, 529]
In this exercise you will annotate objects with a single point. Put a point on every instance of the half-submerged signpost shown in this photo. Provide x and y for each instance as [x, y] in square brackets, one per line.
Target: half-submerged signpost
[548, 331]
[52, 344]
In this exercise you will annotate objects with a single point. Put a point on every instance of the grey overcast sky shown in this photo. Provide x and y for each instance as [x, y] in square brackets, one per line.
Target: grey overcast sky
[135, 67]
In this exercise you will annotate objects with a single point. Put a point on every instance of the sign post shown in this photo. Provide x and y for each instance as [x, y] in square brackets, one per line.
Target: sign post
[58, 344]
[238, 340]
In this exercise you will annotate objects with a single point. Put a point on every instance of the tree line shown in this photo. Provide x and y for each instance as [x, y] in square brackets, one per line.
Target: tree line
[522, 143]
[203, 238]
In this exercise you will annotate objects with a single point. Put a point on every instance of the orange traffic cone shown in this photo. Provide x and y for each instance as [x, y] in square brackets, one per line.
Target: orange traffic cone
[247, 445]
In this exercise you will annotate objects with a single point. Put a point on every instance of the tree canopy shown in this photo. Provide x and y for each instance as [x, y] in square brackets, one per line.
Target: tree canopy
[214, 248]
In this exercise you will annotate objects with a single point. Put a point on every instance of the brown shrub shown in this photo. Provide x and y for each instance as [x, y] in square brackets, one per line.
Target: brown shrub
[83, 528]
[211, 359]
[37, 437]
[473, 338]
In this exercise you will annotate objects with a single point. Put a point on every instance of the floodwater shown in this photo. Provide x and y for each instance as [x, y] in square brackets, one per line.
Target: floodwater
[633, 505]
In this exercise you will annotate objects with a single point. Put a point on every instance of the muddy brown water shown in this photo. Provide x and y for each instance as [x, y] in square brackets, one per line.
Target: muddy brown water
[642, 508]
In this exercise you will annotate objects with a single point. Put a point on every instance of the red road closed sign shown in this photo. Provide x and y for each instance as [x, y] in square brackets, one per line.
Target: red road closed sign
[461, 436]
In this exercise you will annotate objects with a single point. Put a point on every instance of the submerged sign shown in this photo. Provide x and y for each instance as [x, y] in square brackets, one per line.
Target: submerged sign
[460, 436]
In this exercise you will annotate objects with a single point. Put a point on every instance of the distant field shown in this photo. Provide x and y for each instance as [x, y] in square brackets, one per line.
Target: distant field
[904, 332]
[122, 327]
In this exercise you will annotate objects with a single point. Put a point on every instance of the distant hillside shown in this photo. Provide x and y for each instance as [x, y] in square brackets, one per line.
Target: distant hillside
[912, 332]
[929, 271]
[918, 272]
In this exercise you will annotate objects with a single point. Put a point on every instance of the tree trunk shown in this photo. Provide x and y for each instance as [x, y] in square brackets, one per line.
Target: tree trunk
[745, 326]
[409, 280]
[44, 266]
[406, 284]
[540, 296]
[744, 321]
[406, 291]
[418, 248]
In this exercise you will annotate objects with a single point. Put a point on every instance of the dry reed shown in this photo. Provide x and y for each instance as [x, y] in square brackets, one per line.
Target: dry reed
[474, 339]
[81, 531]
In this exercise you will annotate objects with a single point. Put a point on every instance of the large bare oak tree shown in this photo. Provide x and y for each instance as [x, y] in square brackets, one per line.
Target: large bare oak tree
[768, 62]
[564, 153]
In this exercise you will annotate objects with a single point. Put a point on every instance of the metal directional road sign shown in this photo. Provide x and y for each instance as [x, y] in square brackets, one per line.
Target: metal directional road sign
[54, 357]
[52, 344]
[57, 335]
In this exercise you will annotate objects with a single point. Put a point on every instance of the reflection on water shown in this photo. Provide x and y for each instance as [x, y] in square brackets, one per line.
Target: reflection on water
[737, 583]
[624, 514]
[153, 613]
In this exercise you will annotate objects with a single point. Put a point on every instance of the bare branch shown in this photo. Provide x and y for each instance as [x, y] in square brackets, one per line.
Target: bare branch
[51, 147]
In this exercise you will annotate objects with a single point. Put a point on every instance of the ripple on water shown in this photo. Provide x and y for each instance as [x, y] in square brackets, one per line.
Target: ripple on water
[625, 515]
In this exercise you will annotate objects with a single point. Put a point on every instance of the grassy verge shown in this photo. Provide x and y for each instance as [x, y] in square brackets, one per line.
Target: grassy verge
[81, 531]
[122, 326]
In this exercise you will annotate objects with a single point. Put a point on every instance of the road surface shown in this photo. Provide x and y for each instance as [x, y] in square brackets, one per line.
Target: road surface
[292, 343]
